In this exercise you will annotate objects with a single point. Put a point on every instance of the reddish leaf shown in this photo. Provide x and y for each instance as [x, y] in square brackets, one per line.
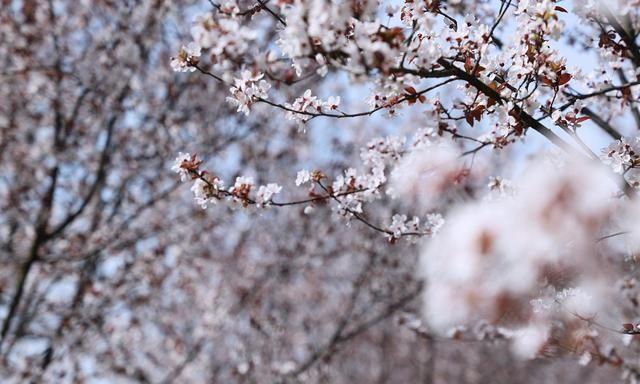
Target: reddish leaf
[564, 78]
[546, 80]
[478, 112]
[469, 117]
[468, 66]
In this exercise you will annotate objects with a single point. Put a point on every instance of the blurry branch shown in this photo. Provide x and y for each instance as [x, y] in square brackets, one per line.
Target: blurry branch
[39, 239]
[390, 310]
[191, 355]
[92, 257]
[342, 324]
[611, 235]
[100, 173]
[599, 121]
[634, 109]
[42, 234]
[591, 320]
[46, 204]
[341, 335]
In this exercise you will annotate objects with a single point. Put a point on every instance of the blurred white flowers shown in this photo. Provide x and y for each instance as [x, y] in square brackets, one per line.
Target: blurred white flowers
[493, 254]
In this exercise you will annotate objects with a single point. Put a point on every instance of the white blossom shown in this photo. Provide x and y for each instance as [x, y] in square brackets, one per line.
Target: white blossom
[265, 193]
[247, 90]
[303, 177]
[178, 168]
[187, 58]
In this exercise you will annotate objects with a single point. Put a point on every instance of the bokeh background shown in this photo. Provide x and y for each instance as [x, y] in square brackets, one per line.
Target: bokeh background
[109, 273]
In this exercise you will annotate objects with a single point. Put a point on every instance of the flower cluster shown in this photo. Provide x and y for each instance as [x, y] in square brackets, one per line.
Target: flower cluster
[622, 154]
[208, 189]
[186, 165]
[400, 226]
[248, 89]
[308, 105]
[223, 35]
[265, 193]
[187, 58]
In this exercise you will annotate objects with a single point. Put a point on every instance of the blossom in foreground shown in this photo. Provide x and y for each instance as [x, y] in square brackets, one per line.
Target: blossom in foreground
[493, 254]
[428, 172]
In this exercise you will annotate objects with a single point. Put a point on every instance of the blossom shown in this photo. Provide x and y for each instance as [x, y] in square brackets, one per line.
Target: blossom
[224, 35]
[265, 193]
[401, 226]
[307, 105]
[187, 58]
[200, 190]
[621, 154]
[247, 90]
[242, 188]
[303, 106]
[382, 150]
[434, 223]
[185, 165]
[303, 177]
[332, 102]
[177, 165]
[500, 187]
[398, 226]
[206, 190]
